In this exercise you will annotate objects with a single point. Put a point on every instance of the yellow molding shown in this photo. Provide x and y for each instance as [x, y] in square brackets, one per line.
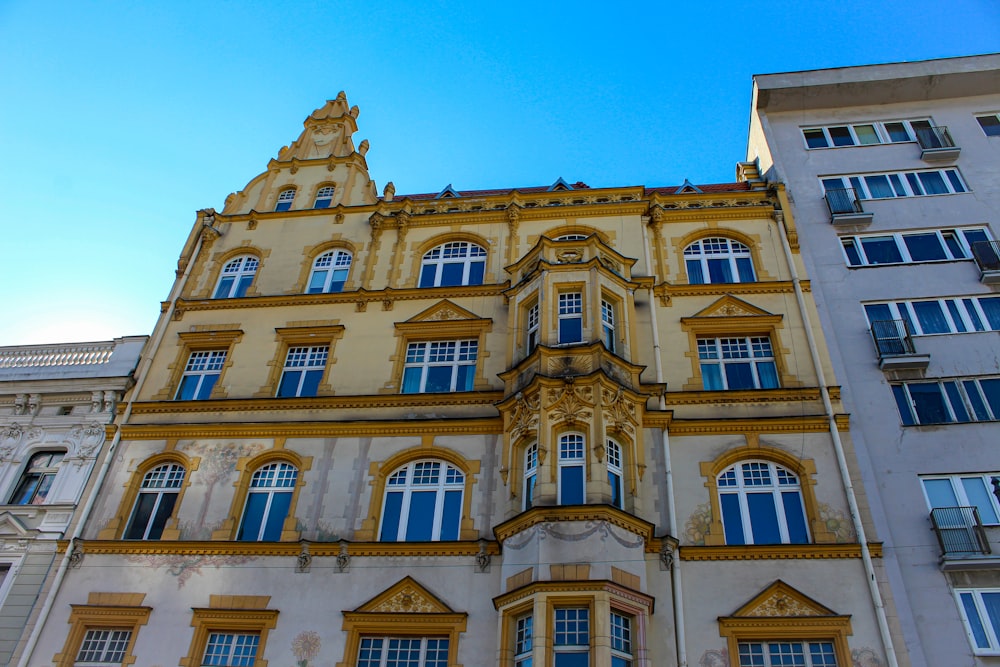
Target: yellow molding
[205, 620]
[291, 549]
[87, 617]
[803, 424]
[612, 515]
[722, 397]
[671, 290]
[777, 551]
[485, 426]
[594, 585]
[284, 405]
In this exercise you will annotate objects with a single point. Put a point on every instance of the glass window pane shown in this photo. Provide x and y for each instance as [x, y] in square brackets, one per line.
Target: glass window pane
[931, 317]
[879, 187]
[420, 520]
[570, 330]
[957, 405]
[140, 516]
[253, 515]
[940, 493]
[289, 384]
[720, 271]
[795, 517]
[163, 512]
[427, 275]
[956, 182]
[929, 403]
[739, 376]
[452, 515]
[956, 315]
[974, 236]
[816, 138]
[276, 515]
[411, 380]
[991, 308]
[745, 269]
[731, 519]
[897, 185]
[841, 136]
[866, 134]
[975, 623]
[851, 250]
[476, 272]
[767, 372]
[244, 284]
[975, 491]
[897, 132]
[881, 250]
[763, 518]
[991, 601]
[571, 485]
[438, 379]
[914, 182]
[695, 275]
[902, 404]
[711, 377]
[924, 247]
[451, 274]
[390, 517]
[933, 183]
[978, 406]
[573, 659]
[991, 388]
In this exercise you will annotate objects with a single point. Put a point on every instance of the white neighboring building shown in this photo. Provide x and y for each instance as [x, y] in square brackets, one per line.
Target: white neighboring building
[894, 175]
[55, 402]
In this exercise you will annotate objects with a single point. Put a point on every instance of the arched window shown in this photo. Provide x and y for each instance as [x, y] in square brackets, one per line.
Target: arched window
[615, 474]
[37, 478]
[423, 503]
[571, 237]
[453, 263]
[155, 503]
[572, 454]
[236, 277]
[267, 503]
[530, 474]
[761, 503]
[718, 260]
[324, 197]
[329, 272]
[285, 199]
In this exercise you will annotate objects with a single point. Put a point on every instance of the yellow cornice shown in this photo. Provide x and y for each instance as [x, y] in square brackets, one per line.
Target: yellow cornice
[778, 551]
[593, 585]
[612, 515]
[725, 397]
[800, 424]
[284, 405]
[315, 549]
[486, 425]
[359, 297]
[670, 290]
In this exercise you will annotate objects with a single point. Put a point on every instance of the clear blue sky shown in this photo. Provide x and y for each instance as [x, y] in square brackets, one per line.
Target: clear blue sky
[118, 121]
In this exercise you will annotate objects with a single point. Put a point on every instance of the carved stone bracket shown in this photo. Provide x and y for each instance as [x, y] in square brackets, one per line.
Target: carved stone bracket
[75, 555]
[666, 556]
[303, 561]
[343, 558]
[483, 558]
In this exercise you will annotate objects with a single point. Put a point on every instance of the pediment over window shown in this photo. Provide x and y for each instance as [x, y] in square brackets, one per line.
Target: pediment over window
[443, 311]
[445, 319]
[405, 597]
[11, 526]
[781, 600]
[730, 306]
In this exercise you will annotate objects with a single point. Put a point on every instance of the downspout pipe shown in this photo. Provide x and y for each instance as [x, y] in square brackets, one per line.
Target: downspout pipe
[675, 566]
[207, 219]
[838, 445]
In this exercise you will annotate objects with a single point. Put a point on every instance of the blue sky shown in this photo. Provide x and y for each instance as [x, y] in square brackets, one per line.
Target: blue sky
[118, 121]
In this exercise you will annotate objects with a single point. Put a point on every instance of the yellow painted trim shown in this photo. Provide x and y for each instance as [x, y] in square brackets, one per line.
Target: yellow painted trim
[807, 424]
[291, 336]
[786, 395]
[418, 251]
[753, 242]
[607, 513]
[281, 549]
[214, 270]
[115, 526]
[668, 290]
[206, 620]
[777, 551]
[96, 616]
[287, 405]
[196, 341]
[311, 253]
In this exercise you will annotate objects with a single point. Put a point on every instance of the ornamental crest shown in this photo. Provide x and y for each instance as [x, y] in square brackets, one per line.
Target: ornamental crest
[619, 412]
[570, 404]
[781, 600]
[405, 597]
[524, 418]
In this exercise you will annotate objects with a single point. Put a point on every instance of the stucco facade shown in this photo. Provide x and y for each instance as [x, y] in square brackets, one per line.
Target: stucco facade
[553, 425]
[900, 256]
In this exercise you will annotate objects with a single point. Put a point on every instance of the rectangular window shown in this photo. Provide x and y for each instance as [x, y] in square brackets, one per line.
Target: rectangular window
[403, 652]
[940, 316]
[621, 640]
[570, 317]
[980, 609]
[522, 642]
[531, 328]
[899, 184]
[973, 490]
[229, 649]
[737, 363]
[200, 375]
[440, 366]
[608, 325]
[948, 401]
[990, 124]
[571, 643]
[779, 653]
[103, 647]
[303, 371]
[864, 134]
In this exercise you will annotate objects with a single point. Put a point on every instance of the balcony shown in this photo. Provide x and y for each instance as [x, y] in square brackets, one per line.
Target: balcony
[962, 539]
[987, 254]
[894, 346]
[936, 145]
[845, 207]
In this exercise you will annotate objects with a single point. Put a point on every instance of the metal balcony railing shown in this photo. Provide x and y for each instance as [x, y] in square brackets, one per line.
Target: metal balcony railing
[892, 338]
[987, 254]
[843, 201]
[933, 137]
[959, 530]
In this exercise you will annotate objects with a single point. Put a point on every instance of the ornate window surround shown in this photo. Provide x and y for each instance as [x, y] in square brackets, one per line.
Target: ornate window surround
[104, 610]
[196, 341]
[292, 336]
[214, 271]
[421, 249]
[115, 527]
[753, 242]
[309, 256]
[239, 613]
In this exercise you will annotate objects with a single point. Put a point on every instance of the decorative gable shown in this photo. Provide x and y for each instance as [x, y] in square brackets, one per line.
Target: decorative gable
[688, 188]
[11, 526]
[730, 306]
[405, 597]
[779, 600]
[443, 311]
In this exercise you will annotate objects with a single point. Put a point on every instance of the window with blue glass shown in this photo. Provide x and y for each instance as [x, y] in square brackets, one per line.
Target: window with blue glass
[530, 474]
[270, 496]
[899, 184]
[155, 504]
[570, 317]
[781, 653]
[761, 503]
[966, 490]
[572, 459]
[285, 199]
[303, 371]
[452, 264]
[200, 375]
[948, 401]
[324, 197]
[571, 639]
[231, 649]
[236, 278]
[621, 640]
[608, 319]
[423, 503]
[522, 641]
[615, 473]
[440, 366]
[737, 363]
[718, 260]
[329, 272]
[403, 652]
[934, 245]
[37, 478]
[981, 614]
[941, 316]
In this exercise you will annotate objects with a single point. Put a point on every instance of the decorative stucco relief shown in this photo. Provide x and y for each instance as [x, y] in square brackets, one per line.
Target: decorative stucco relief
[408, 600]
[698, 524]
[184, 566]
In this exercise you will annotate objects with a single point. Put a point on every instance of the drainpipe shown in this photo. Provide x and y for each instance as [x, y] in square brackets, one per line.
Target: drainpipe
[675, 567]
[838, 445]
[140, 374]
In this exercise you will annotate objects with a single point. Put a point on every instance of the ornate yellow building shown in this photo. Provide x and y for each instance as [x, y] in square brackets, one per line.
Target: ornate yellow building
[552, 425]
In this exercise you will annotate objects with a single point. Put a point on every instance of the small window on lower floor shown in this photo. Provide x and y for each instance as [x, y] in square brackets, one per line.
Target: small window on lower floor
[403, 652]
[523, 641]
[103, 646]
[231, 649]
[780, 653]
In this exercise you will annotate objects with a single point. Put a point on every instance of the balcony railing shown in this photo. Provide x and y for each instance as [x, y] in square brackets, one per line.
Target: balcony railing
[987, 254]
[72, 354]
[845, 206]
[936, 144]
[894, 346]
[959, 531]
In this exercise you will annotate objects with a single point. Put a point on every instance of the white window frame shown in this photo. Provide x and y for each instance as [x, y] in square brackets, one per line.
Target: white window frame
[453, 252]
[983, 619]
[531, 329]
[962, 497]
[202, 364]
[570, 306]
[608, 318]
[48, 471]
[965, 401]
[164, 479]
[719, 350]
[13, 565]
[899, 239]
[961, 314]
[324, 195]
[718, 248]
[882, 133]
[899, 182]
[303, 360]
[456, 354]
[385, 648]
[558, 648]
[523, 640]
[573, 236]
[231, 660]
[621, 639]
[616, 465]
[406, 480]
[103, 645]
[331, 264]
[530, 475]
[995, 117]
[285, 199]
[264, 481]
[776, 488]
[573, 455]
[236, 269]
[783, 658]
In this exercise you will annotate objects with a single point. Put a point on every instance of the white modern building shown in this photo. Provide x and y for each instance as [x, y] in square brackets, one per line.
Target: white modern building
[894, 175]
[55, 403]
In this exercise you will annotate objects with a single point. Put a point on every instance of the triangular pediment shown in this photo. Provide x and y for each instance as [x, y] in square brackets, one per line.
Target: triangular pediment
[730, 306]
[781, 600]
[448, 192]
[11, 526]
[687, 188]
[405, 597]
[444, 311]
[560, 184]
